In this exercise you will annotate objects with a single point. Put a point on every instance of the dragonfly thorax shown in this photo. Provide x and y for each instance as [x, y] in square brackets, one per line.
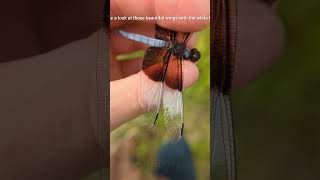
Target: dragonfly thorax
[182, 51]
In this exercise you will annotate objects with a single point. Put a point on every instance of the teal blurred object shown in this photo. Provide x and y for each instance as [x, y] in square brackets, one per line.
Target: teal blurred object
[175, 162]
[277, 117]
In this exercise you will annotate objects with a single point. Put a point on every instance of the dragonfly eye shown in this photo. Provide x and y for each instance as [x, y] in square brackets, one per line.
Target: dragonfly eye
[195, 55]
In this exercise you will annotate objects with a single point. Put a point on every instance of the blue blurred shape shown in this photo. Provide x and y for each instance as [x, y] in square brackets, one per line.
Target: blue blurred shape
[175, 161]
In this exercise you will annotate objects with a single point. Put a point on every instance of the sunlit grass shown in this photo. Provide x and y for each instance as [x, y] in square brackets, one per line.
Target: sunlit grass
[133, 55]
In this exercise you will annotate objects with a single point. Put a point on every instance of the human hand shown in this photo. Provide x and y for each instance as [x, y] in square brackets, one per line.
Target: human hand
[125, 75]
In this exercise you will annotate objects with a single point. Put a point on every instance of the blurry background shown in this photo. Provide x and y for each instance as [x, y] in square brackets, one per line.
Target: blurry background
[277, 116]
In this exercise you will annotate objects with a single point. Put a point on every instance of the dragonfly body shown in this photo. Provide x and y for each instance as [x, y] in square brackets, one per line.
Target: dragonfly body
[145, 39]
[163, 64]
[178, 49]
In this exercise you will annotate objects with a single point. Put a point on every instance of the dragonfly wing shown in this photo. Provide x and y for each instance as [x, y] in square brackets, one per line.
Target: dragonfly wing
[223, 149]
[183, 37]
[169, 35]
[173, 112]
[151, 81]
[224, 34]
[173, 99]
[164, 34]
[153, 62]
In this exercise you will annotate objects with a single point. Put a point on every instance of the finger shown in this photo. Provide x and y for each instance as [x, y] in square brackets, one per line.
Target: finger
[183, 8]
[164, 8]
[131, 66]
[129, 8]
[125, 101]
[116, 71]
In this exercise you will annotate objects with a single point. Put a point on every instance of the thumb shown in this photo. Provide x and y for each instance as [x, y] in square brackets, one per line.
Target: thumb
[125, 101]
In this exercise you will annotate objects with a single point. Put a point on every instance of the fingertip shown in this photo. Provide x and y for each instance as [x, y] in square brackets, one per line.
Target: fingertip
[190, 74]
[183, 8]
[197, 9]
[124, 104]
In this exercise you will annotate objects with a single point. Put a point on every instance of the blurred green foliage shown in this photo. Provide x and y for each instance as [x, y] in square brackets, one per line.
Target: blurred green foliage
[277, 117]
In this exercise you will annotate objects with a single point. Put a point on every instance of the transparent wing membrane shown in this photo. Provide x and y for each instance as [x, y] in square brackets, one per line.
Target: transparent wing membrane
[222, 151]
[173, 112]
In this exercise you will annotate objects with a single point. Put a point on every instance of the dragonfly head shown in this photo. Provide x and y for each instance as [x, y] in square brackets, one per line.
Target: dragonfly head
[194, 55]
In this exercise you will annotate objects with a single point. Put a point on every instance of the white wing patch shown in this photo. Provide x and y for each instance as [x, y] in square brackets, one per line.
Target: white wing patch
[173, 111]
[156, 95]
[153, 96]
[150, 93]
[172, 102]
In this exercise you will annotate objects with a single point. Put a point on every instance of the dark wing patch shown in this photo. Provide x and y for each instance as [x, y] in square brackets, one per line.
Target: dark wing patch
[165, 34]
[152, 64]
[183, 37]
[174, 74]
[224, 34]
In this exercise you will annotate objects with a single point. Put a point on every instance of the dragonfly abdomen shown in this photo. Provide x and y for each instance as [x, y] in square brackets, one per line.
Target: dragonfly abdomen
[144, 39]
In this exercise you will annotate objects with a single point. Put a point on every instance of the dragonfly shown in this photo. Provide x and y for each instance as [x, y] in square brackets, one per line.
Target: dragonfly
[223, 45]
[163, 65]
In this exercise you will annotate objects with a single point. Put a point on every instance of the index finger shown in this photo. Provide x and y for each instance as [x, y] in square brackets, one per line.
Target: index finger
[167, 8]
